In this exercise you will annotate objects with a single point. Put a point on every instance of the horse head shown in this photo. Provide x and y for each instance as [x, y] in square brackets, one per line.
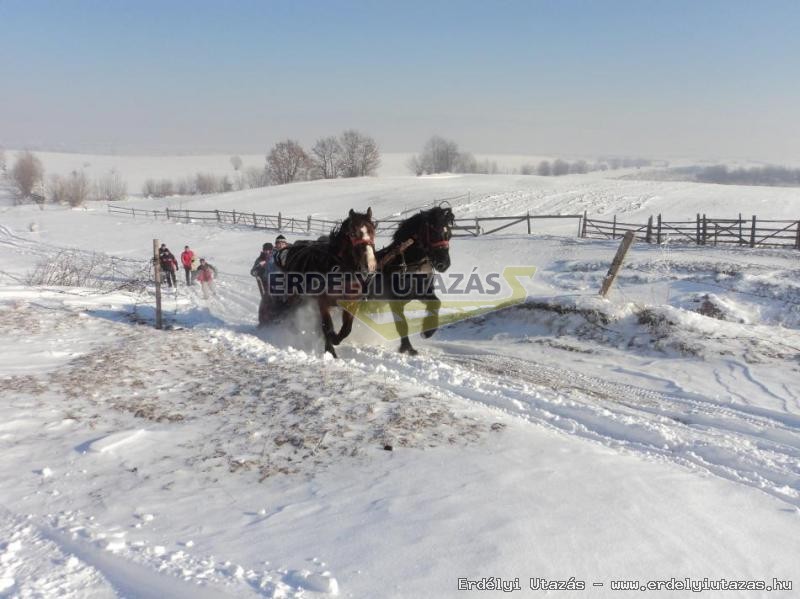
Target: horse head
[355, 241]
[431, 231]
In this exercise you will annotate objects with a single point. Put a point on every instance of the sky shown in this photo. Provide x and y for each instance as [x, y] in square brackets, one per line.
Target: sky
[573, 78]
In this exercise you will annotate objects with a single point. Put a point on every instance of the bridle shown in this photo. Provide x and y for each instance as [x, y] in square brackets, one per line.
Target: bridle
[355, 242]
[427, 245]
[443, 243]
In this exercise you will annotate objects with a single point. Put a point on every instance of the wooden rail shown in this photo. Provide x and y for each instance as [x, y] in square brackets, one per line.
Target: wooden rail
[467, 227]
[703, 230]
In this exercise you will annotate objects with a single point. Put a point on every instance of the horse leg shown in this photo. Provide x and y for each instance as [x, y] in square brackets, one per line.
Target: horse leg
[401, 324]
[430, 324]
[347, 327]
[327, 326]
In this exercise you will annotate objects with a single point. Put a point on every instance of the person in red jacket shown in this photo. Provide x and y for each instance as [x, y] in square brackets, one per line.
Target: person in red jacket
[187, 256]
[206, 274]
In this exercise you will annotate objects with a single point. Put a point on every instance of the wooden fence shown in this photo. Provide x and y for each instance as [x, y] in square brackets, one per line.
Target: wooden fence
[468, 227]
[703, 230]
[276, 222]
[486, 225]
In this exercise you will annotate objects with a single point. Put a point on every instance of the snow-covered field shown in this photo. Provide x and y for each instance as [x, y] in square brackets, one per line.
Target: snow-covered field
[649, 436]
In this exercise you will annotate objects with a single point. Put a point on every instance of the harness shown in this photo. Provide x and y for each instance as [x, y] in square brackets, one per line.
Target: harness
[433, 245]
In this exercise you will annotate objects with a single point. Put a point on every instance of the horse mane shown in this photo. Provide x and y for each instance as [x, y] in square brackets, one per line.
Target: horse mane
[411, 226]
[334, 237]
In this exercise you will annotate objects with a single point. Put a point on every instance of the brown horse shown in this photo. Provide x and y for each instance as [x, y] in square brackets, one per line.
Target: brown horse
[349, 249]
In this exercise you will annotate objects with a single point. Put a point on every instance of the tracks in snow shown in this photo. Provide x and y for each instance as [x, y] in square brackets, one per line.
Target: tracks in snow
[748, 444]
[752, 446]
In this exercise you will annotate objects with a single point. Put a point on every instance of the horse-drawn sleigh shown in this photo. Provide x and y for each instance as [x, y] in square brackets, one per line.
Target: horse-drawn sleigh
[344, 267]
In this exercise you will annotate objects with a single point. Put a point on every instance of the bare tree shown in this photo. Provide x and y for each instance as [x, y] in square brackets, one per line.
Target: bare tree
[439, 155]
[368, 158]
[414, 164]
[56, 189]
[205, 183]
[27, 173]
[544, 169]
[580, 167]
[236, 163]
[256, 177]
[359, 156]
[111, 188]
[77, 188]
[287, 162]
[186, 186]
[465, 163]
[164, 188]
[560, 167]
[326, 156]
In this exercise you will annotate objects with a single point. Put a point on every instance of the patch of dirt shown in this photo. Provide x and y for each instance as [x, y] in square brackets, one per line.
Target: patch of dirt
[252, 415]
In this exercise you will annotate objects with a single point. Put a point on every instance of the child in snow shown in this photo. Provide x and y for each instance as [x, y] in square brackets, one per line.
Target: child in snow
[206, 275]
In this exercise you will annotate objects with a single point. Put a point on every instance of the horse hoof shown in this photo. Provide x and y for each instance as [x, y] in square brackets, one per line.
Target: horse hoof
[407, 349]
[331, 351]
[429, 334]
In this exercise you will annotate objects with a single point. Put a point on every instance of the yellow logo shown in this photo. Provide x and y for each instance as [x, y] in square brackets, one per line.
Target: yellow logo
[381, 315]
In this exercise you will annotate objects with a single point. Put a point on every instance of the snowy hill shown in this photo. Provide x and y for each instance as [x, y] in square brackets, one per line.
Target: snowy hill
[649, 436]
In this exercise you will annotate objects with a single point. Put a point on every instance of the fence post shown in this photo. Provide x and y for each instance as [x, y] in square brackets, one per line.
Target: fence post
[255, 224]
[280, 227]
[716, 233]
[697, 234]
[308, 226]
[477, 227]
[168, 216]
[649, 235]
[616, 264]
[658, 230]
[753, 233]
[529, 222]
[614, 228]
[157, 271]
[705, 229]
[218, 218]
[741, 240]
[797, 238]
[234, 217]
[583, 233]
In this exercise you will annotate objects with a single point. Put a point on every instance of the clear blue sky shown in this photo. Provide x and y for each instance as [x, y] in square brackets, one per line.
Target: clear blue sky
[684, 77]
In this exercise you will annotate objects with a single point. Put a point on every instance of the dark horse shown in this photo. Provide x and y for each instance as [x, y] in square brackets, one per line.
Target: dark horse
[350, 248]
[420, 245]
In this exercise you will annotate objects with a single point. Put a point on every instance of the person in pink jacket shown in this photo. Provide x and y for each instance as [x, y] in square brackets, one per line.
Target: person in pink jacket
[206, 275]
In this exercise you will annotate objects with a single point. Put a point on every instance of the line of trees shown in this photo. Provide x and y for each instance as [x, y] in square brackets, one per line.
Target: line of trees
[76, 188]
[28, 176]
[766, 175]
[558, 168]
[352, 154]
[440, 155]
